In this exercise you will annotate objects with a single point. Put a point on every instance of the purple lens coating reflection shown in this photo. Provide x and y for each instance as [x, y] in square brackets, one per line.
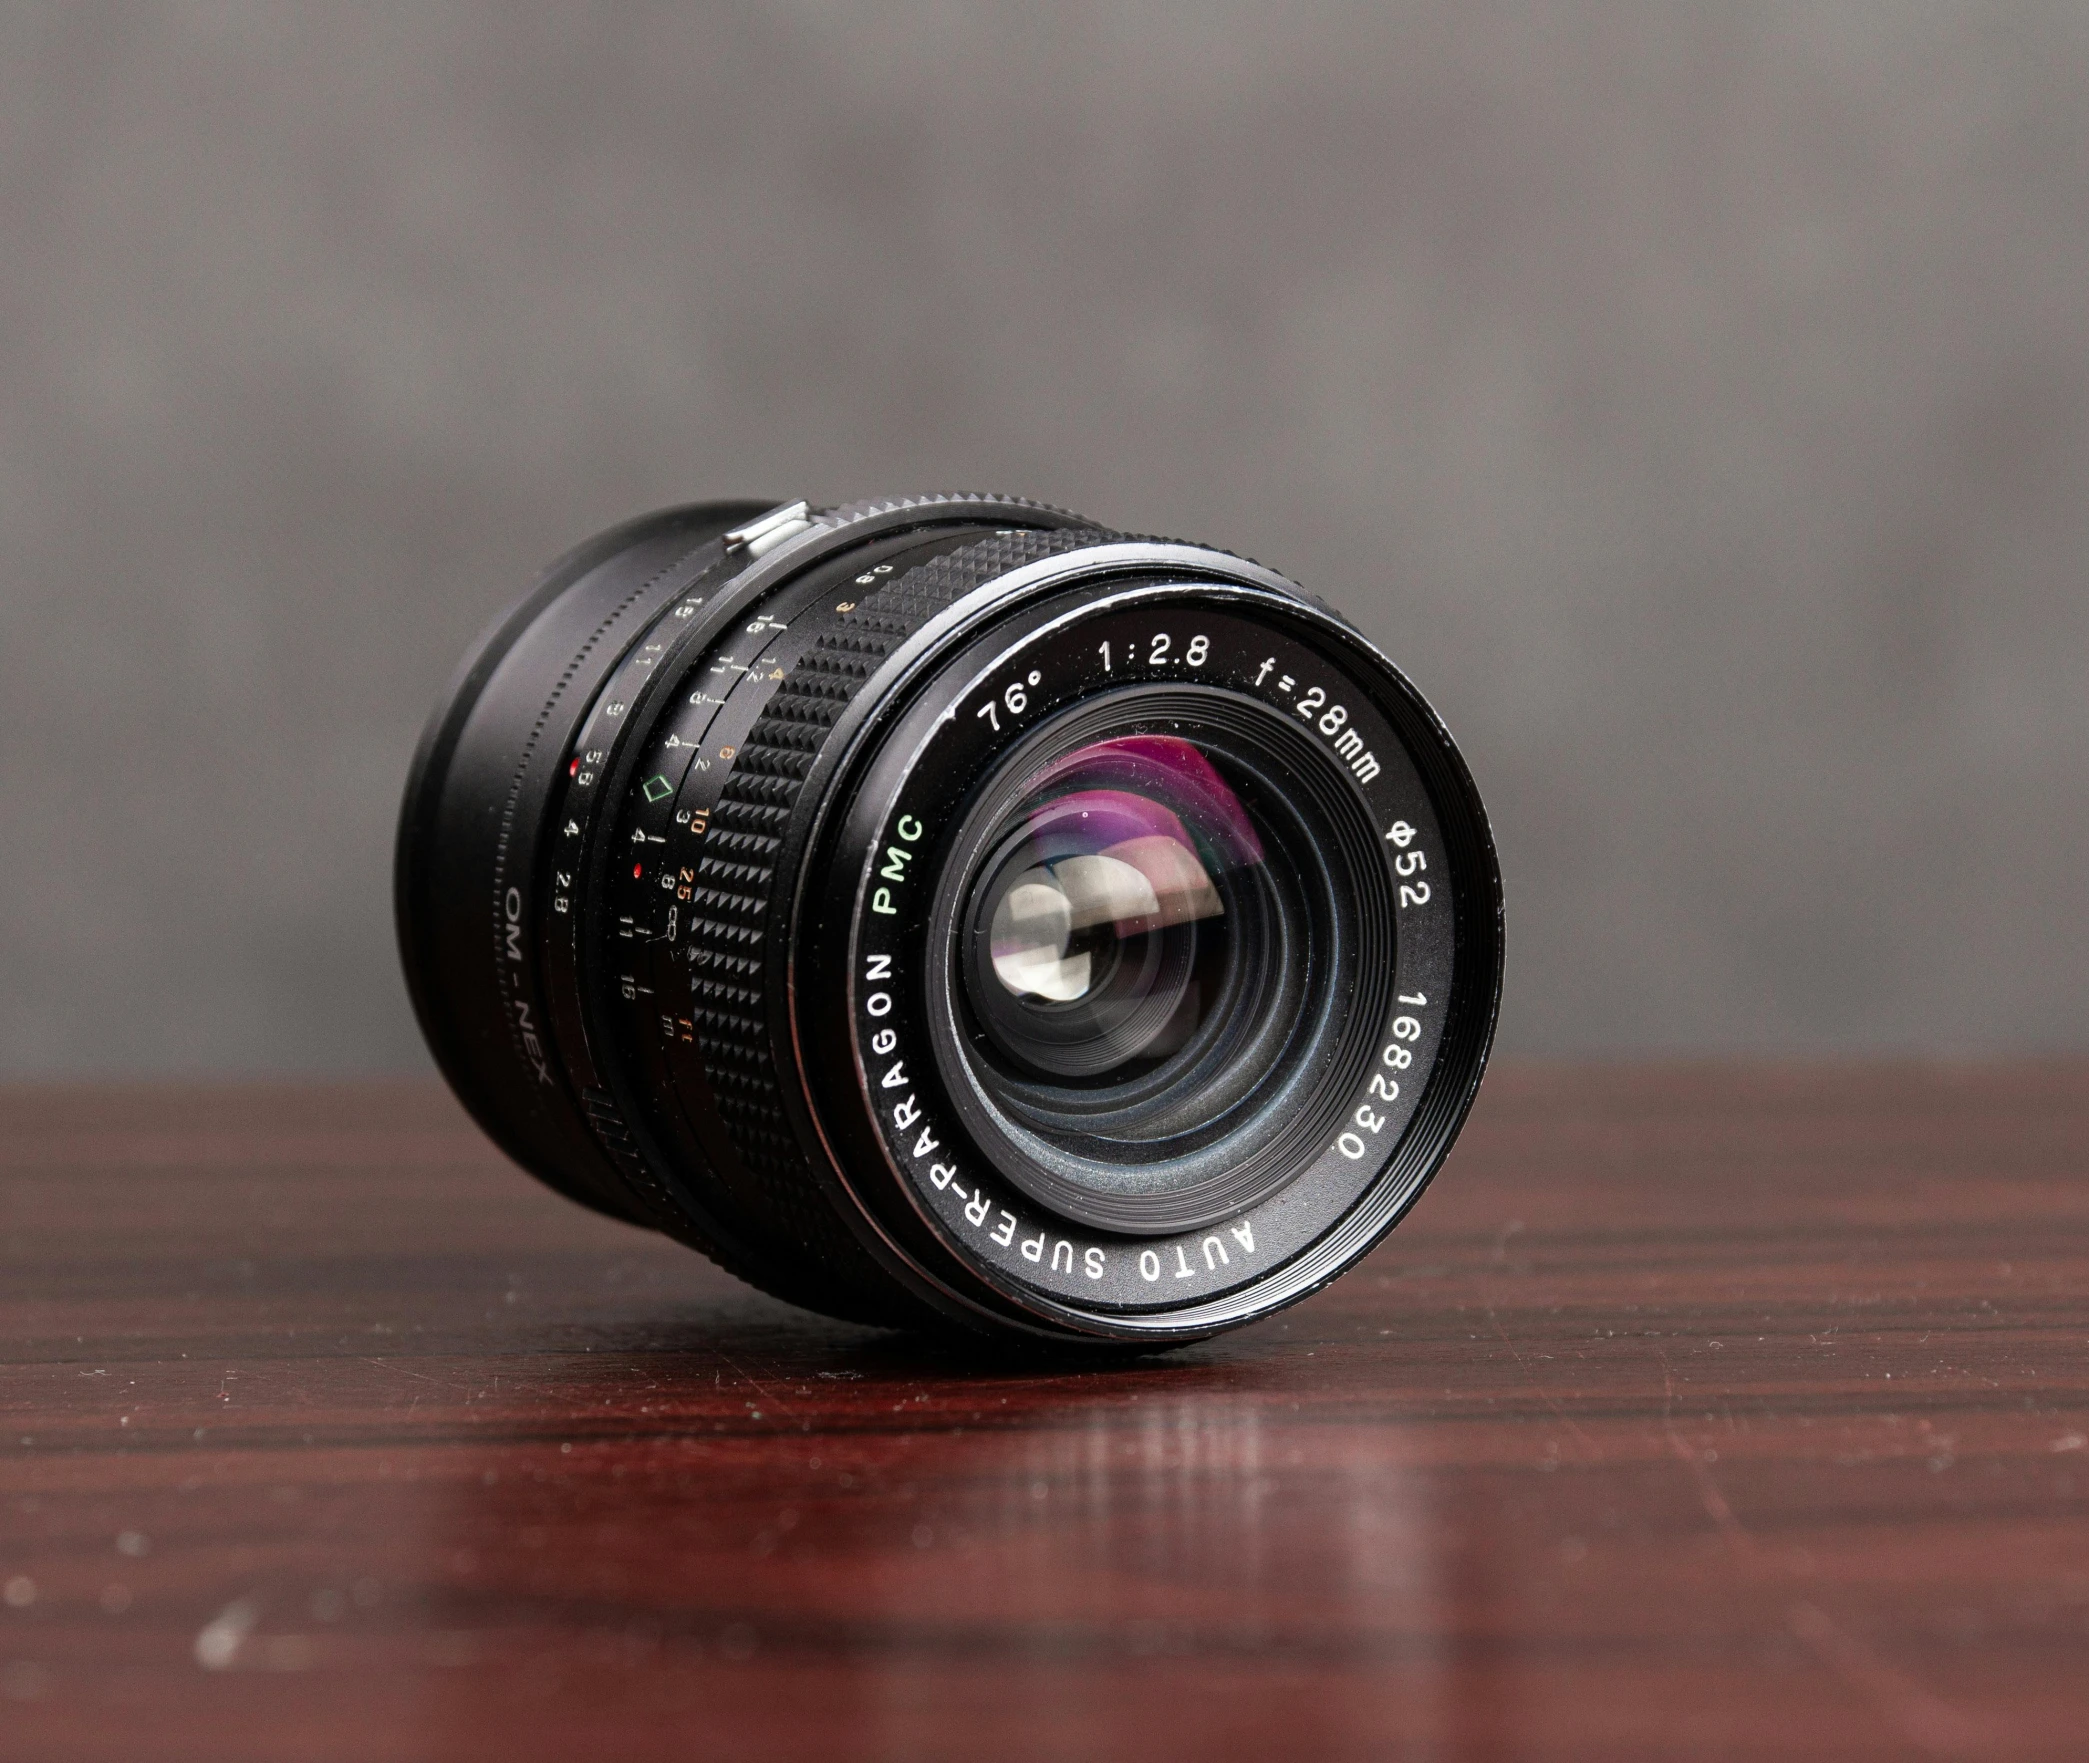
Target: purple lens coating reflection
[1115, 860]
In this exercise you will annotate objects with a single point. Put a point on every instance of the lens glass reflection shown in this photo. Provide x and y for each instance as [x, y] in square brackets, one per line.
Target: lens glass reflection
[1104, 919]
[1139, 944]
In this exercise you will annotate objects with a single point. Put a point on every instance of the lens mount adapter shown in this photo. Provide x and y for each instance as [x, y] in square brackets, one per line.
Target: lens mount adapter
[946, 912]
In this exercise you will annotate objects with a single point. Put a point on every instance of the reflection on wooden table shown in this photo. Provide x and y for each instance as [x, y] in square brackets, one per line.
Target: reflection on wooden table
[1693, 1413]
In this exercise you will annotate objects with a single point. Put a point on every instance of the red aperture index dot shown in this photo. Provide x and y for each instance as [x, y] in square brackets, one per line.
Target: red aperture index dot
[637, 870]
[573, 770]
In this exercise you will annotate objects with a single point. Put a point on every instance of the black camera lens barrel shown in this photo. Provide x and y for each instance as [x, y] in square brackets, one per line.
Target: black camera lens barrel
[702, 859]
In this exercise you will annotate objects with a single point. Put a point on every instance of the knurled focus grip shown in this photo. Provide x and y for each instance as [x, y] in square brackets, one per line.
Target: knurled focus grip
[732, 951]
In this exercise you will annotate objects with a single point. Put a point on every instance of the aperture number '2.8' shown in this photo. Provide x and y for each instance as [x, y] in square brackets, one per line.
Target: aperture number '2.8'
[1160, 649]
[1155, 651]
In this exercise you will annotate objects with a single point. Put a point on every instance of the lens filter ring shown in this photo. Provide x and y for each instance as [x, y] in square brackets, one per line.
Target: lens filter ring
[1292, 709]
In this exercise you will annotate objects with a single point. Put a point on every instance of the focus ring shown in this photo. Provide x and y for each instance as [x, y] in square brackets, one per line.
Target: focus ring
[730, 943]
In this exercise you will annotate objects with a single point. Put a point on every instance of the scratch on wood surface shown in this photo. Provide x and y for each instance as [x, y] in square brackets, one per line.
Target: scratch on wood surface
[1708, 1491]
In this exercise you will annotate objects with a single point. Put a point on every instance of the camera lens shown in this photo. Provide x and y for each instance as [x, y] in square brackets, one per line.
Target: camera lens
[945, 912]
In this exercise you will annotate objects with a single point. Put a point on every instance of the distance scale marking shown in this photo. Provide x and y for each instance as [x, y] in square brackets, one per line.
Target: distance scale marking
[656, 850]
[1167, 639]
[658, 840]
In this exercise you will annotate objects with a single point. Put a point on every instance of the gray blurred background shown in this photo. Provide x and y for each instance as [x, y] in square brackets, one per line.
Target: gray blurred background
[1695, 399]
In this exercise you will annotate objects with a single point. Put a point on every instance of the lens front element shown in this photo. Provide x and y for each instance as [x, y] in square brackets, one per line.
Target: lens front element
[1145, 952]
[1101, 923]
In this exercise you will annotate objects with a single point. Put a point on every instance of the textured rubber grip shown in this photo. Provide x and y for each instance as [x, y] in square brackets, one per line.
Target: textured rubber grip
[734, 958]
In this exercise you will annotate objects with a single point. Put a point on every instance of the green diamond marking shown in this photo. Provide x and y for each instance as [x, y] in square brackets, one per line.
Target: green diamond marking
[655, 787]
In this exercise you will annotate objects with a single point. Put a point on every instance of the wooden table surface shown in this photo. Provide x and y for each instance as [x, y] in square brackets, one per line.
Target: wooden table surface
[1694, 1413]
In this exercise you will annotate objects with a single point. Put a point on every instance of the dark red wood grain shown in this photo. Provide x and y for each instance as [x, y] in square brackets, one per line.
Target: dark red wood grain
[1694, 1413]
